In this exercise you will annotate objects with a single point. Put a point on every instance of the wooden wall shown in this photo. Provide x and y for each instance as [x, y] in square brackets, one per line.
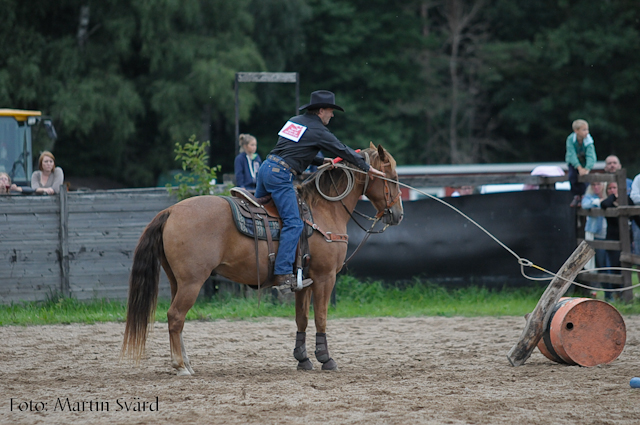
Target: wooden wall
[79, 243]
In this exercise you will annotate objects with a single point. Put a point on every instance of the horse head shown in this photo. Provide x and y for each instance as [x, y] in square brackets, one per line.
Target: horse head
[384, 194]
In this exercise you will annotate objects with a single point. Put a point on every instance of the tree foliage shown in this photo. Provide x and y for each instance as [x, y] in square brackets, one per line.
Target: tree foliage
[435, 81]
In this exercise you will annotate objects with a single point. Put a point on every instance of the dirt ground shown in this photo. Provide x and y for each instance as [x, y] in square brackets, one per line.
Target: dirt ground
[427, 370]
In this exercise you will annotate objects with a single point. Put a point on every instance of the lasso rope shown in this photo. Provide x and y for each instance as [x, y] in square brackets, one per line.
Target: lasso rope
[521, 260]
[347, 190]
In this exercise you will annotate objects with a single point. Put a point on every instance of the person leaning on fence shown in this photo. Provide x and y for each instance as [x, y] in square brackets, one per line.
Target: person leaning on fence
[596, 227]
[613, 225]
[301, 138]
[48, 179]
[580, 157]
[6, 186]
[612, 165]
[247, 162]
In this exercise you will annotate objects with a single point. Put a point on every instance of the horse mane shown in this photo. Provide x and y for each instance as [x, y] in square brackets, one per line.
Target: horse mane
[331, 180]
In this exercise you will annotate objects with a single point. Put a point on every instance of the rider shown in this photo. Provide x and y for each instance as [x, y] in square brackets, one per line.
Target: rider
[301, 138]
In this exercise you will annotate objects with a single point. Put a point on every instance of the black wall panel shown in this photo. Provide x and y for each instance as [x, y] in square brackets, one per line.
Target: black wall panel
[436, 243]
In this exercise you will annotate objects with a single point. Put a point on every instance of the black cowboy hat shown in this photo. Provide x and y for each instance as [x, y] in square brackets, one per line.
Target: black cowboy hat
[322, 99]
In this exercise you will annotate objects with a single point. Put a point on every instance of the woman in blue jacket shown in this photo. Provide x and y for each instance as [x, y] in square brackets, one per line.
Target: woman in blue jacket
[247, 163]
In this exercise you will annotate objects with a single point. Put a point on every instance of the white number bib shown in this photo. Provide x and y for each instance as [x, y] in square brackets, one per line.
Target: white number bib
[292, 131]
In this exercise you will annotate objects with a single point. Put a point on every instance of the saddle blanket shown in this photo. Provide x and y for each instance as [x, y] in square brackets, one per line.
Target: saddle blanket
[247, 227]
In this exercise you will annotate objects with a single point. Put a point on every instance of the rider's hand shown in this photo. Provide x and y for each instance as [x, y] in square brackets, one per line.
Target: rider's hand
[373, 173]
[327, 161]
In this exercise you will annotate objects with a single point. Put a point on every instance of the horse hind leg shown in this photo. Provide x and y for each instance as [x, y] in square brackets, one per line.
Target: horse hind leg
[174, 289]
[185, 358]
[184, 299]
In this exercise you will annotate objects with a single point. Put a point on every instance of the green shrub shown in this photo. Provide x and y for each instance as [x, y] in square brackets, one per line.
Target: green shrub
[194, 158]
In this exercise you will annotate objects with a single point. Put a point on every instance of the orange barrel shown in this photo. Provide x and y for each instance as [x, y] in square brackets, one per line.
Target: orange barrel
[583, 331]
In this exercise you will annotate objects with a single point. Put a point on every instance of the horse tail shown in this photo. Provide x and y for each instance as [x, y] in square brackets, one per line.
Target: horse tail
[143, 287]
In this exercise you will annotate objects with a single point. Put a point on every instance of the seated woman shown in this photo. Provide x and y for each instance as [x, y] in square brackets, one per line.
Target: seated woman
[49, 178]
[247, 162]
[6, 186]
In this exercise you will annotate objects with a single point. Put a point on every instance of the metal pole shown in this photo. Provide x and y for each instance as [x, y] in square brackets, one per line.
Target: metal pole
[64, 241]
[236, 148]
[297, 94]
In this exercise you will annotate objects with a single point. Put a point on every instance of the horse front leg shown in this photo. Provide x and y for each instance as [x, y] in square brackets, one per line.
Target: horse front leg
[321, 297]
[303, 301]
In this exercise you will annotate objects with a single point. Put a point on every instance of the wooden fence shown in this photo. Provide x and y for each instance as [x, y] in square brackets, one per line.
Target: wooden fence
[78, 243]
[81, 243]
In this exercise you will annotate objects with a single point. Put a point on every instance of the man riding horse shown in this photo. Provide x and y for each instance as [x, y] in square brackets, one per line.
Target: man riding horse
[300, 141]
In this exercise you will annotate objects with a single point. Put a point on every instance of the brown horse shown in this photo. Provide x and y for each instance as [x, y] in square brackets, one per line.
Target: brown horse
[197, 236]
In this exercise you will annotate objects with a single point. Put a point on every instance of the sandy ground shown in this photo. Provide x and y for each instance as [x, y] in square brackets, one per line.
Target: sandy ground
[430, 370]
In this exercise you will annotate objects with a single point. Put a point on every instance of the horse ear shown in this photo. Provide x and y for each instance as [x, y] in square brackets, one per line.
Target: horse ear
[381, 153]
[372, 146]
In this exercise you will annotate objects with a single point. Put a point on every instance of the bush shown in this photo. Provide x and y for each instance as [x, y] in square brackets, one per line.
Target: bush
[194, 158]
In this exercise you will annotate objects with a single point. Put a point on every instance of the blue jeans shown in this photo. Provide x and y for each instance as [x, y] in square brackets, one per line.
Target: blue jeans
[278, 181]
[577, 188]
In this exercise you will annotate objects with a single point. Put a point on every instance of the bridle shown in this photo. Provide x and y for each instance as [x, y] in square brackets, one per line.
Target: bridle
[387, 210]
[387, 192]
[387, 197]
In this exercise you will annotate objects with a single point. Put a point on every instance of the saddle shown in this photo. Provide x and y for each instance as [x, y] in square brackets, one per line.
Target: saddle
[259, 218]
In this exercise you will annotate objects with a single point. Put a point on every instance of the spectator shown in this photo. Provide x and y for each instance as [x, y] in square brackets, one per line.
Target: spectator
[613, 228]
[247, 162]
[6, 186]
[596, 227]
[580, 157]
[48, 179]
[611, 165]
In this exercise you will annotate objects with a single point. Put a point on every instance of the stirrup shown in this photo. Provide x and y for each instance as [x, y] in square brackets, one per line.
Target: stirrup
[285, 289]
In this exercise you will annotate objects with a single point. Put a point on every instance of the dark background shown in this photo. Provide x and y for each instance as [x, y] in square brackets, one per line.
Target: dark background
[438, 244]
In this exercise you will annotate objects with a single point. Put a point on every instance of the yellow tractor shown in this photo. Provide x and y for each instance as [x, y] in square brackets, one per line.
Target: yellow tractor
[16, 142]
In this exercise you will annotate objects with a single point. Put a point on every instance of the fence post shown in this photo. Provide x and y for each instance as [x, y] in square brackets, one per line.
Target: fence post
[625, 237]
[64, 242]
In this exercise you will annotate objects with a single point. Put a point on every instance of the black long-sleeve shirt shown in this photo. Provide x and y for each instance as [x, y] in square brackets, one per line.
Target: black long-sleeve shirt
[299, 155]
[613, 226]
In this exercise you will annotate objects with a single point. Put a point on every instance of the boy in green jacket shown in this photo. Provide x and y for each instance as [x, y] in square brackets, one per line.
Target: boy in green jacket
[581, 157]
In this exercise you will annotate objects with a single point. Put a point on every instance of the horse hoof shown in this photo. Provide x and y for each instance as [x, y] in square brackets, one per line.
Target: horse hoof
[183, 372]
[305, 365]
[330, 365]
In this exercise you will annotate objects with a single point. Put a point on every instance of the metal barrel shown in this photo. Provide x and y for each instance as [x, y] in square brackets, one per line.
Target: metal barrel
[583, 331]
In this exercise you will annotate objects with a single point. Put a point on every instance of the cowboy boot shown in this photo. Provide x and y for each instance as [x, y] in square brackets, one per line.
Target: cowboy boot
[286, 283]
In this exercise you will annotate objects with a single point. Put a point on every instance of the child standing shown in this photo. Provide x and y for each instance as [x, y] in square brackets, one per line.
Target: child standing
[581, 157]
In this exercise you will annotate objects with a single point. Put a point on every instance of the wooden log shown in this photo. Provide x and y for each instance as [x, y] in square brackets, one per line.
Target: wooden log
[538, 319]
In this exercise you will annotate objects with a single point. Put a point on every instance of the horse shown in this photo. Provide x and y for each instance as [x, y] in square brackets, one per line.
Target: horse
[197, 236]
